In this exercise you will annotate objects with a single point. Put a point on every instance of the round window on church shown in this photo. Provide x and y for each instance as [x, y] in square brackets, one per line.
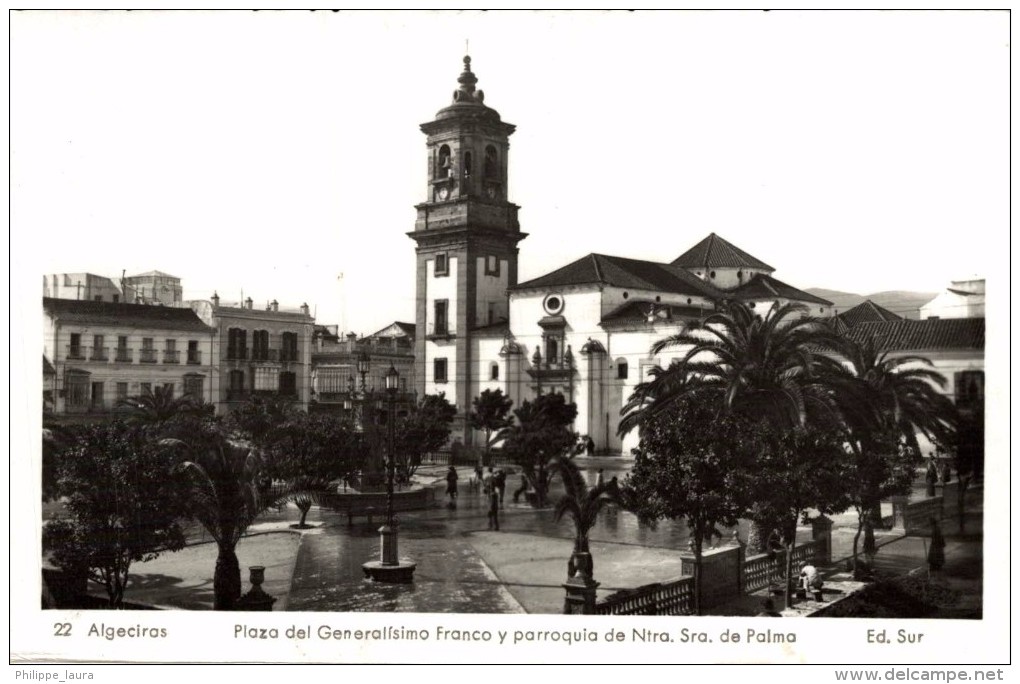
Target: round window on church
[553, 304]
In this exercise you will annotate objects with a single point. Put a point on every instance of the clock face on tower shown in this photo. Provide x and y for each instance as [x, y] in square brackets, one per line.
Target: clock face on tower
[443, 193]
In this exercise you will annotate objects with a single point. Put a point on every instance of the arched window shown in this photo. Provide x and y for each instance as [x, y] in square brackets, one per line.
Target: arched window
[494, 371]
[443, 162]
[552, 349]
[491, 163]
[467, 164]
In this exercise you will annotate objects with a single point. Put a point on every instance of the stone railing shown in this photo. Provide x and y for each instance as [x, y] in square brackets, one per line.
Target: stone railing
[669, 598]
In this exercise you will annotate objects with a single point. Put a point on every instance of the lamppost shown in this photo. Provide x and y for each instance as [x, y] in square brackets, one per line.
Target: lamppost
[389, 567]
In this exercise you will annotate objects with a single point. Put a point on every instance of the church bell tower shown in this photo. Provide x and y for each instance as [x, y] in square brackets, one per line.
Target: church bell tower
[466, 234]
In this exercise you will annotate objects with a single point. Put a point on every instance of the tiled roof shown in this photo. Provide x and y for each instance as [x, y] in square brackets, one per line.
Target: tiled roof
[929, 334]
[406, 330]
[766, 287]
[867, 311]
[714, 252]
[126, 315]
[639, 310]
[600, 269]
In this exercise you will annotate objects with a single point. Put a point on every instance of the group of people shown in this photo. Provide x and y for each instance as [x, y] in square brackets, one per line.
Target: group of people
[493, 483]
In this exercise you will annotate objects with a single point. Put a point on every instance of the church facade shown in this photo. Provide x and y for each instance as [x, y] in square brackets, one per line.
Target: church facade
[583, 330]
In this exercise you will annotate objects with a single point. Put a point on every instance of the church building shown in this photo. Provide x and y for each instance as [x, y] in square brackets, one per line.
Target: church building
[583, 330]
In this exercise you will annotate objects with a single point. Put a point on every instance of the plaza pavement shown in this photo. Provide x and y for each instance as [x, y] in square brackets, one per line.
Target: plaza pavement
[465, 568]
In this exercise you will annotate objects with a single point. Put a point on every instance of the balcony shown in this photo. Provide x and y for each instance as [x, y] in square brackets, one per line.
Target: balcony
[438, 331]
[194, 357]
[123, 355]
[148, 356]
[75, 352]
[290, 356]
[100, 354]
[265, 355]
[171, 356]
[234, 354]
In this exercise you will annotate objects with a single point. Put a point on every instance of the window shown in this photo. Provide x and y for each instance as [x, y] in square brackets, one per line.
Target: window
[98, 395]
[494, 371]
[236, 384]
[267, 379]
[711, 274]
[148, 350]
[260, 345]
[970, 388]
[170, 354]
[288, 384]
[145, 388]
[169, 388]
[439, 370]
[116, 298]
[98, 350]
[467, 164]
[442, 267]
[77, 390]
[194, 355]
[492, 265]
[193, 386]
[122, 391]
[441, 324]
[332, 380]
[491, 163]
[621, 370]
[288, 347]
[443, 166]
[74, 350]
[237, 344]
[552, 349]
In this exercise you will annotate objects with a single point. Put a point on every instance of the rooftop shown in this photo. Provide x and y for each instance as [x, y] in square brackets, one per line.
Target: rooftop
[763, 286]
[124, 315]
[601, 269]
[929, 334]
[865, 312]
[715, 252]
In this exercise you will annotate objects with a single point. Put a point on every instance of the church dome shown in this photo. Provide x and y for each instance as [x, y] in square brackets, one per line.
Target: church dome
[468, 102]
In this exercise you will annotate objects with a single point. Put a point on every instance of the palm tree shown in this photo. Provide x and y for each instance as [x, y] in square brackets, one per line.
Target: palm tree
[745, 364]
[764, 367]
[882, 396]
[583, 505]
[222, 478]
[156, 406]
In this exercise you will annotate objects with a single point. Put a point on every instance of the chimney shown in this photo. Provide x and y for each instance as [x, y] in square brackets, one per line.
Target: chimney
[275, 305]
[215, 300]
[248, 303]
[304, 308]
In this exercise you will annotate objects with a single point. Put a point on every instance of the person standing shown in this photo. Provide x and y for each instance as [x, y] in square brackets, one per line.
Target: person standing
[600, 480]
[451, 486]
[931, 476]
[487, 480]
[523, 489]
[493, 508]
[589, 446]
[499, 482]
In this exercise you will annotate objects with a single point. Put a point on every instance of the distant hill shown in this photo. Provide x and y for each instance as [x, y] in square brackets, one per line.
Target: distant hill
[902, 302]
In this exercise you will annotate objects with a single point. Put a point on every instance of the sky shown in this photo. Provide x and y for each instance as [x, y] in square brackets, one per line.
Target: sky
[279, 155]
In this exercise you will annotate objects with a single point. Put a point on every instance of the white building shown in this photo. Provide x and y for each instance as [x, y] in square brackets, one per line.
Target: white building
[962, 299]
[585, 329]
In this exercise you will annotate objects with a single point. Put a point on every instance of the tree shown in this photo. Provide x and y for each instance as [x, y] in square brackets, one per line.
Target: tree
[695, 464]
[542, 433]
[426, 428]
[256, 419]
[158, 405]
[739, 362]
[311, 452]
[582, 504]
[221, 477]
[121, 502]
[885, 401]
[796, 470]
[490, 414]
[763, 367]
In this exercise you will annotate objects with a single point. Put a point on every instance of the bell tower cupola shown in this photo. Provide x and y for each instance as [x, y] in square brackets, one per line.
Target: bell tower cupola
[466, 233]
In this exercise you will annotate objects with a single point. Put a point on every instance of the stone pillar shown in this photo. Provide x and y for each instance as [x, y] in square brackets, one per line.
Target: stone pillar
[721, 573]
[388, 545]
[821, 530]
[256, 599]
[580, 598]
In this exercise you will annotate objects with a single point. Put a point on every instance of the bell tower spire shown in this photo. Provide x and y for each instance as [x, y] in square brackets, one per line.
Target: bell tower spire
[466, 234]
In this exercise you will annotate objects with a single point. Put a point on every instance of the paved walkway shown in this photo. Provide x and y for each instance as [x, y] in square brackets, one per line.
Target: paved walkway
[465, 568]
